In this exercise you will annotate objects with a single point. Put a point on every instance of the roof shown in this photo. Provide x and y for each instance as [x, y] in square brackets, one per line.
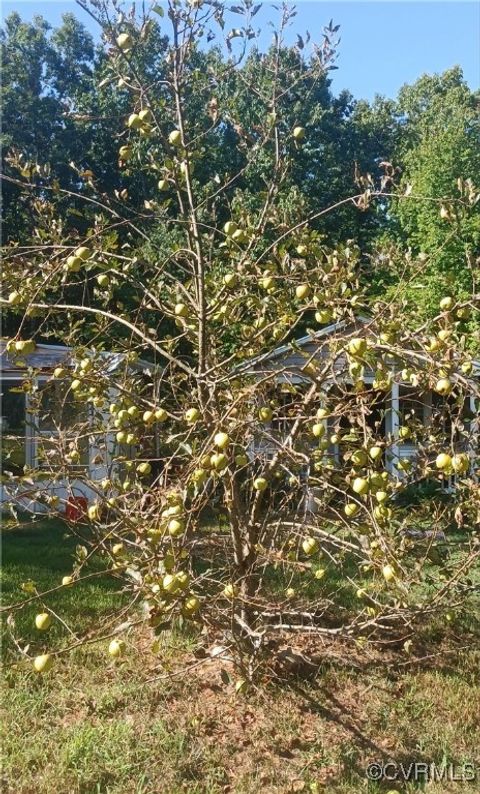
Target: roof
[47, 357]
[304, 340]
[288, 351]
[311, 346]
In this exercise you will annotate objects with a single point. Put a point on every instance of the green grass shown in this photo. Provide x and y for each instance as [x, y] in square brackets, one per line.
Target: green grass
[43, 552]
[92, 726]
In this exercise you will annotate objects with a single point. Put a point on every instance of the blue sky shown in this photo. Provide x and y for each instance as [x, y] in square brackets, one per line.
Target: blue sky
[384, 44]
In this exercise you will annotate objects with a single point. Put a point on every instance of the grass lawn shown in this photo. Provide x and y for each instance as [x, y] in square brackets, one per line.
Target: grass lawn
[92, 726]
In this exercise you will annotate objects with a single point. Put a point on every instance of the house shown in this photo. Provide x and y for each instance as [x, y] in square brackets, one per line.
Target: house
[38, 408]
[392, 403]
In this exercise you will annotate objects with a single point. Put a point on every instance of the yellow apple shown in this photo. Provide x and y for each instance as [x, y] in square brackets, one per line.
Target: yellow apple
[375, 452]
[381, 496]
[218, 461]
[388, 573]
[267, 282]
[443, 386]
[170, 583]
[148, 417]
[404, 432]
[265, 413]
[221, 440]
[318, 430]
[124, 41]
[230, 280]
[302, 291]
[357, 347]
[460, 463]
[83, 253]
[323, 316]
[302, 250]
[240, 236]
[192, 415]
[360, 485]
[183, 580]
[444, 334]
[93, 512]
[230, 591]
[121, 437]
[134, 121]
[43, 621]
[161, 415]
[310, 545]
[163, 185]
[103, 280]
[43, 663]
[125, 153]
[260, 484]
[443, 461]
[320, 573]
[359, 458]
[199, 476]
[59, 372]
[463, 312]
[173, 510]
[322, 413]
[26, 347]
[144, 468]
[117, 549]
[191, 606]
[14, 298]
[116, 648]
[299, 133]
[175, 138]
[230, 228]
[446, 304]
[145, 115]
[67, 581]
[175, 527]
[181, 310]
[241, 459]
[350, 509]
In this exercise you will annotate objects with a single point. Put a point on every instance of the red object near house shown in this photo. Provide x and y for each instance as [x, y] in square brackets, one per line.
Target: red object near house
[76, 508]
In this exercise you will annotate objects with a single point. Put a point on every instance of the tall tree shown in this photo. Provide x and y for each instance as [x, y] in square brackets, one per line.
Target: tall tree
[433, 137]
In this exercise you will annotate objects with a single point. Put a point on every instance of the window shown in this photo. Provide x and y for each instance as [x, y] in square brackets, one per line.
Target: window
[13, 427]
[61, 427]
[286, 412]
[412, 406]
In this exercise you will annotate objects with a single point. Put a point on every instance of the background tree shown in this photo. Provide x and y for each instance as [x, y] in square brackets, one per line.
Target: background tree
[432, 134]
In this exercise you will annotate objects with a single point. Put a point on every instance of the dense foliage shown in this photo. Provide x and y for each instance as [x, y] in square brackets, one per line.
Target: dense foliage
[61, 118]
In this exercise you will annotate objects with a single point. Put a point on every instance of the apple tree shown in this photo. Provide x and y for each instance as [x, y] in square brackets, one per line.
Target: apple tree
[254, 486]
